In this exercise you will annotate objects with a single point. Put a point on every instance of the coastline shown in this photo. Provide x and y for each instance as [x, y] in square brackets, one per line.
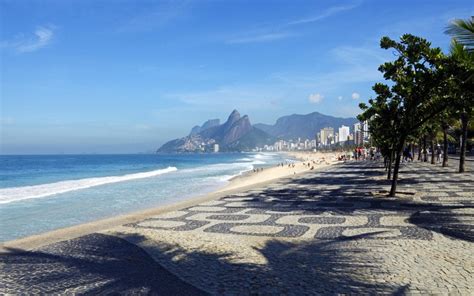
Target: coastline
[317, 160]
[246, 181]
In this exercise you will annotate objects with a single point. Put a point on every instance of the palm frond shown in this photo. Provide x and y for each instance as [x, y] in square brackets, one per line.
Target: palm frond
[463, 32]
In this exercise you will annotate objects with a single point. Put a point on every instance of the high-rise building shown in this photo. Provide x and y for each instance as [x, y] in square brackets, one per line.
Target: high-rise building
[216, 147]
[358, 134]
[326, 134]
[365, 131]
[343, 133]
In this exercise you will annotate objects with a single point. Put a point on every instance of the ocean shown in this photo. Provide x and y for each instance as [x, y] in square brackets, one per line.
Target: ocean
[39, 193]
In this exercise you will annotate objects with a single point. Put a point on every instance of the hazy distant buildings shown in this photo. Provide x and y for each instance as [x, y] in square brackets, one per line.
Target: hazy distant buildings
[361, 133]
[365, 130]
[327, 136]
[216, 148]
[343, 134]
[358, 134]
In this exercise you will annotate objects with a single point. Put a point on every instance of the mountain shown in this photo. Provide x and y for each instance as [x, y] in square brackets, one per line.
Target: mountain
[303, 126]
[208, 124]
[236, 134]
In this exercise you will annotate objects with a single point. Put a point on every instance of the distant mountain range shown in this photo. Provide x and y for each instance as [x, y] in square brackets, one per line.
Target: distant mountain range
[303, 126]
[238, 134]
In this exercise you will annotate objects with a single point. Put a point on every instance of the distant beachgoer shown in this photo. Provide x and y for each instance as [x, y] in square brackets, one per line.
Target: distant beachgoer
[439, 152]
[405, 155]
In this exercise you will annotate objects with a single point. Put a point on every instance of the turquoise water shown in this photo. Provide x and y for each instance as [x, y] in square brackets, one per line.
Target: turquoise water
[43, 193]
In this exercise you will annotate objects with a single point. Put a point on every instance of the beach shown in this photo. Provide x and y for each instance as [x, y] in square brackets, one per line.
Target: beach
[307, 161]
[243, 182]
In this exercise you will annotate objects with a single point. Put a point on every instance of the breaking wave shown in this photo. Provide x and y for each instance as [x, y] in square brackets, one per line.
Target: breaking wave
[12, 194]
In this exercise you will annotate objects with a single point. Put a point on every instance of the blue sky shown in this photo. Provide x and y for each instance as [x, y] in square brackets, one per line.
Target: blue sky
[125, 76]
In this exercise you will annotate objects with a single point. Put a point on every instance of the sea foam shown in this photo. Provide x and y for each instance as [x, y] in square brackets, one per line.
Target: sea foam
[12, 194]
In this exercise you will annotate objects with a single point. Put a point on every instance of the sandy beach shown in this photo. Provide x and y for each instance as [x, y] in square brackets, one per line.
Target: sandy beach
[307, 162]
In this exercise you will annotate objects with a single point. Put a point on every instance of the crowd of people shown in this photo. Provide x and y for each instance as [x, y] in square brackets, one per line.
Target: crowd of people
[361, 153]
[372, 153]
[408, 153]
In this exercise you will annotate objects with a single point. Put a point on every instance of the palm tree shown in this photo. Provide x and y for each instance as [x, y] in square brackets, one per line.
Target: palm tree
[462, 69]
[463, 32]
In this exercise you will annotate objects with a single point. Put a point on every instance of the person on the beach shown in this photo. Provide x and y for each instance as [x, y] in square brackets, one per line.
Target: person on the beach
[439, 152]
[405, 155]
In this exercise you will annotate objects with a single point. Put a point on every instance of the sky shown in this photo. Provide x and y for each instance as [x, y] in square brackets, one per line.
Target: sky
[103, 76]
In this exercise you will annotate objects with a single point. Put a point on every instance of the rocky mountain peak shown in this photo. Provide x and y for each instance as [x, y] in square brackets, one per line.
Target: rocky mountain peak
[233, 117]
[236, 134]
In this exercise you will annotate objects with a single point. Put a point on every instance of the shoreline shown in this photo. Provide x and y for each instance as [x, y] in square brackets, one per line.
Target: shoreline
[237, 184]
[317, 160]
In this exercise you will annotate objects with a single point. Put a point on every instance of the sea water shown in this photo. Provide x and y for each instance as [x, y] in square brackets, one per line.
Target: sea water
[39, 193]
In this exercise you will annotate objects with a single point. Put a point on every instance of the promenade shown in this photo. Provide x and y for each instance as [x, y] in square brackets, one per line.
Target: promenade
[324, 232]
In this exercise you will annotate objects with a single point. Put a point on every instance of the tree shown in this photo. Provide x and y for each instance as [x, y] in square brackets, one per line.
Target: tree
[463, 32]
[382, 120]
[414, 97]
[446, 119]
[461, 68]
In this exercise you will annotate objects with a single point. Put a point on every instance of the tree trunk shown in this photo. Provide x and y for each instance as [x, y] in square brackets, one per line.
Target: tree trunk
[393, 189]
[419, 148]
[425, 157]
[445, 145]
[462, 157]
[432, 151]
[390, 160]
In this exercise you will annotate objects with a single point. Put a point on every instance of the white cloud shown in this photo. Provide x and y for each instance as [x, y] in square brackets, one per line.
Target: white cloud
[280, 31]
[339, 98]
[160, 14]
[42, 37]
[265, 37]
[325, 14]
[315, 98]
[355, 96]
[252, 96]
[354, 55]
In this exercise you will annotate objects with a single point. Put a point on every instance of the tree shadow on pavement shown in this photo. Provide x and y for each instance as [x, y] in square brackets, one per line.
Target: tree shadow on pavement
[98, 264]
[92, 264]
[349, 190]
[290, 268]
